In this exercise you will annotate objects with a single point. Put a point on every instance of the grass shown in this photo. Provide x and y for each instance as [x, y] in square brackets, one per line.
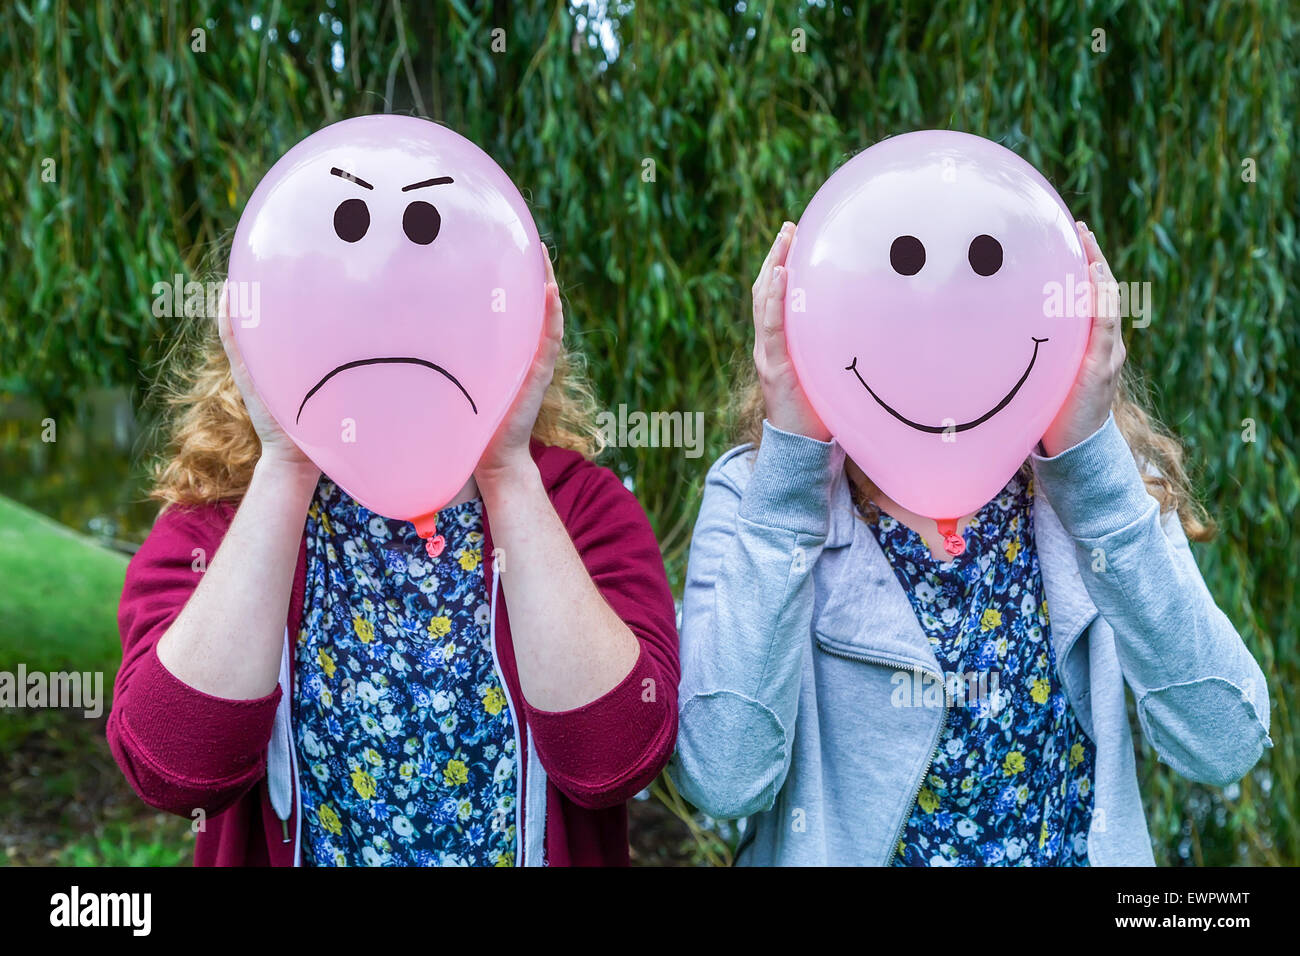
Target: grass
[62, 798]
[59, 610]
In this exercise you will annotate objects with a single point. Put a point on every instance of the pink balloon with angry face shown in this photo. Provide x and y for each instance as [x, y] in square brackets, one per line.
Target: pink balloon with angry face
[937, 314]
[386, 289]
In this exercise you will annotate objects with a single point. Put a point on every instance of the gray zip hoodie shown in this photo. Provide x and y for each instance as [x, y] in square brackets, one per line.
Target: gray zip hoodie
[796, 634]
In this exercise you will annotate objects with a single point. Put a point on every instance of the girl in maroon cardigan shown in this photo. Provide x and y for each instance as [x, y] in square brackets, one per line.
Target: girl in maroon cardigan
[311, 688]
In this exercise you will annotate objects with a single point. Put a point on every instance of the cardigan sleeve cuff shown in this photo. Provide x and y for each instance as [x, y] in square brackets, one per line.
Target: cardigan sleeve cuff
[620, 737]
[790, 487]
[1095, 486]
[191, 736]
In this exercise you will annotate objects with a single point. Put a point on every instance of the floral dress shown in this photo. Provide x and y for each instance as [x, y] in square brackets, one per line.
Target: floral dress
[406, 744]
[1011, 781]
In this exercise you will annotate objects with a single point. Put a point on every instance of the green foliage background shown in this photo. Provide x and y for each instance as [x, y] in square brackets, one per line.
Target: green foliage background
[157, 147]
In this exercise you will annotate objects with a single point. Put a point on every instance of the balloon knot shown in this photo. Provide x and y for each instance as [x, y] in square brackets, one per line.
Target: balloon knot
[433, 544]
[953, 543]
[427, 528]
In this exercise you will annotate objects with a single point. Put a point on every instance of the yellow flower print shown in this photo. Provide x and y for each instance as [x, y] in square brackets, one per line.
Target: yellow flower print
[494, 700]
[1076, 755]
[325, 525]
[406, 770]
[1014, 763]
[1041, 690]
[927, 801]
[1042, 612]
[455, 773]
[1042, 835]
[469, 560]
[505, 859]
[439, 625]
[1013, 548]
[329, 819]
[326, 662]
[363, 784]
[990, 619]
[372, 757]
[364, 630]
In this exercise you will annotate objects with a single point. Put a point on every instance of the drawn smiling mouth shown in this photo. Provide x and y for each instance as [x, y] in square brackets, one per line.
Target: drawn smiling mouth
[941, 429]
[400, 360]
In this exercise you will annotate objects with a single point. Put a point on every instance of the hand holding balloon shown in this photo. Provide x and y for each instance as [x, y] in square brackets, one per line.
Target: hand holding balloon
[1088, 404]
[508, 452]
[277, 447]
[783, 397]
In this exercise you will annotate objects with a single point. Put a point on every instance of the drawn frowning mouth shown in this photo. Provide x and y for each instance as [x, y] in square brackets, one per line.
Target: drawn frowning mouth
[941, 429]
[399, 360]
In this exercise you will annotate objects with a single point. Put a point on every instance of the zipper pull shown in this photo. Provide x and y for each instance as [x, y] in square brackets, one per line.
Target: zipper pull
[284, 828]
[953, 543]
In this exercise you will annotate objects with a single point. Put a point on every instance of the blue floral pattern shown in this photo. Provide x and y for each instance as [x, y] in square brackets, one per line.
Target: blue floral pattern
[404, 733]
[1011, 781]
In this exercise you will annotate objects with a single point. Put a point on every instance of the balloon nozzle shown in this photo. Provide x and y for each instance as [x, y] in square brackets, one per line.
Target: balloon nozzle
[427, 528]
[953, 543]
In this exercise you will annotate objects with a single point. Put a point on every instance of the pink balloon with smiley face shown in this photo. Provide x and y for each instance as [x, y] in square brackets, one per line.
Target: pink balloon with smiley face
[937, 314]
[386, 291]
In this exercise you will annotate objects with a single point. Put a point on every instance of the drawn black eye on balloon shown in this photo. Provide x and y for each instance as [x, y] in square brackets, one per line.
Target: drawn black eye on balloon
[421, 222]
[351, 220]
[985, 255]
[907, 255]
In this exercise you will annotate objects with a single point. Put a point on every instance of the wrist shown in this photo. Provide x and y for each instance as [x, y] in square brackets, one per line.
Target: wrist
[789, 421]
[517, 473]
[299, 476]
[1055, 443]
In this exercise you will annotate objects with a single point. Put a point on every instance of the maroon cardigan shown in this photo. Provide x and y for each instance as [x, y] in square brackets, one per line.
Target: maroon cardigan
[183, 750]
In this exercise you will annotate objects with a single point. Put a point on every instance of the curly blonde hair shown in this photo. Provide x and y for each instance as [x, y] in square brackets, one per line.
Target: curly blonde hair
[1149, 440]
[210, 446]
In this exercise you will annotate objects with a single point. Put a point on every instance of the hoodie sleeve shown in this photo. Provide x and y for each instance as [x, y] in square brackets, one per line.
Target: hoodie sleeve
[181, 750]
[605, 752]
[1202, 700]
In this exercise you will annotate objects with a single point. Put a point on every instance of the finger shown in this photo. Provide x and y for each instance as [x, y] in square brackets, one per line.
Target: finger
[759, 288]
[546, 257]
[767, 260]
[1105, 290]
[223, 315]
[773, 335]
[782, 247]
[554, 313]
[1105, 322]
[226, 332]
[775, 255]
[1093, 249]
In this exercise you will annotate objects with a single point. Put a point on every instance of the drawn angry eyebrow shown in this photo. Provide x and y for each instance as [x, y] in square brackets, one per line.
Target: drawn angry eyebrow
[439, 181]
[335, 171]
